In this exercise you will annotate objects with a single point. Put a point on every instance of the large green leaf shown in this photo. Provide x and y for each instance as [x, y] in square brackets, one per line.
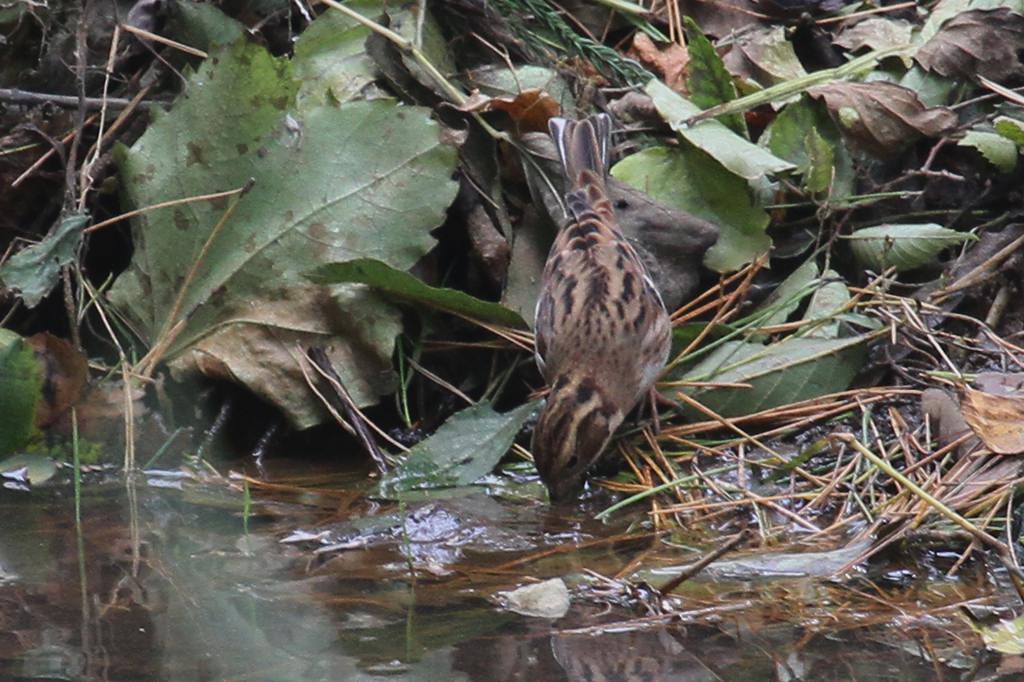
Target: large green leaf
[794, 369]
[740, 156]
[689, 179]
[21, 385]
[463, 449]
[34, 271]
[902, 246]
[401, 285]
[364, 179]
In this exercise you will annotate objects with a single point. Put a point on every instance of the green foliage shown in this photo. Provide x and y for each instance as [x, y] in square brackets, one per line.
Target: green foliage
[21, 385]
[688, 179]
[332, 183]
[33, 272]
[463, 449]
[402, 286]
[900, 246]
[708, 81]
[791, 370]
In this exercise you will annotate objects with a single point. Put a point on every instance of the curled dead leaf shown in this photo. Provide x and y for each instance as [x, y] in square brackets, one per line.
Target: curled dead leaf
[882, 117]
[976, 43]
[998, 419]
[669, 61]
[529, 110]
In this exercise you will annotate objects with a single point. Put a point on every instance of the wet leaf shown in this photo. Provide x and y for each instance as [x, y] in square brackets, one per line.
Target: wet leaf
[688, 179]
[21, 385]
[31, 468]
[333, 183]
[997, 419]
[709, 82]
[882, 117]
[463, 449]
[976, 43]
[901, 246]
[547, 599]
[876, 33]
[405, 287]
[998, 150]
[34, 271]
[738, 155]
[765, 56]
[1006, 637]
[788, 371]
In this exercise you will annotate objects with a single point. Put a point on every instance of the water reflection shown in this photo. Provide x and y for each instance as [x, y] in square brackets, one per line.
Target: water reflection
[164, 583]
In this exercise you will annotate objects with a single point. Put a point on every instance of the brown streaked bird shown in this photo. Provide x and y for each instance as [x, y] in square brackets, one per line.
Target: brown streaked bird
[602, 332]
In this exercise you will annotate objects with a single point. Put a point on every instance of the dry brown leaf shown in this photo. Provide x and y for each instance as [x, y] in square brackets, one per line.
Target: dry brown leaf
[997, 419]
[670, 60]
[976, 42]
[529, 110]
[876, 33]
[65, 370]
[763, 55]
[882, 117]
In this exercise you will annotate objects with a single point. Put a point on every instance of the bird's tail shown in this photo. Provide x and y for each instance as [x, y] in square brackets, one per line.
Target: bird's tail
[583, 148]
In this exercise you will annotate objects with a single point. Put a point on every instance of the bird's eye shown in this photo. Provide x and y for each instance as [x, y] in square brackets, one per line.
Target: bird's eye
[573, 461]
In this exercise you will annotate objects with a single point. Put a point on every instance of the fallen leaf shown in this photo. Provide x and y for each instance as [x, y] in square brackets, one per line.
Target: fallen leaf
[977, 42]
[669, 60]
[781, 373]
[765, 56]
[803, 134]
[690, 180]
[530, 110]
[332, 182]
[402, 286]
[997, 149]
[882, 117]
[998, 419]
[1006, 637]
[21, 385]
[33, 272]
[463, 449]
[902, 246]
[876, 33]
[736, 153]
[65, 371]
[547, 599]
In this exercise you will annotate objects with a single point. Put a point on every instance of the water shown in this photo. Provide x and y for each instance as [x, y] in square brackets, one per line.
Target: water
[167, 579]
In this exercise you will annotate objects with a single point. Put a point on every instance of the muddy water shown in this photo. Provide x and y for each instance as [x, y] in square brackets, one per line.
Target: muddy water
[179, 577]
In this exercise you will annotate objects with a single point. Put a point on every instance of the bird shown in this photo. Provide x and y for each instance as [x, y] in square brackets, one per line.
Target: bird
[602, 333]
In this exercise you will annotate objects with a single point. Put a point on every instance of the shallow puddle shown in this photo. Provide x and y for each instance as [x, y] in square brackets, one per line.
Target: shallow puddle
[176, 577]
